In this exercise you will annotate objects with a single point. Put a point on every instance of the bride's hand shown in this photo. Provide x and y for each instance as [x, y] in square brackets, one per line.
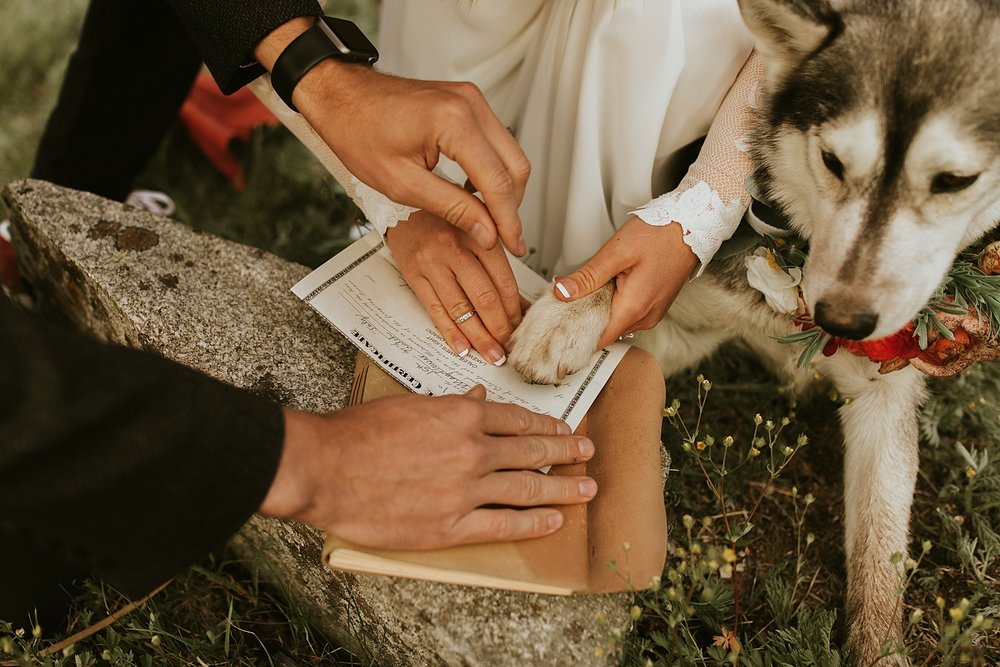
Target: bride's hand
[453, 276]
[650, 263]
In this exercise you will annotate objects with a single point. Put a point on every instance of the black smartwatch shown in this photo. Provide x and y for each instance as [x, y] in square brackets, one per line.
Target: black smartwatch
[328, 38]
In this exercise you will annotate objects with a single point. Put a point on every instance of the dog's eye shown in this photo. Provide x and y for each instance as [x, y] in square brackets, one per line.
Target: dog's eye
[950, 182]
[833, 163]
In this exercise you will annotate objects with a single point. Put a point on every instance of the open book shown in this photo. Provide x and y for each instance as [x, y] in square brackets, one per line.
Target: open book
[625, 523]
[362, 293]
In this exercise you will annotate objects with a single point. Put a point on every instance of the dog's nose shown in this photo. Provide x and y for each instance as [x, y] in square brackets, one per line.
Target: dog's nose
[845, 322]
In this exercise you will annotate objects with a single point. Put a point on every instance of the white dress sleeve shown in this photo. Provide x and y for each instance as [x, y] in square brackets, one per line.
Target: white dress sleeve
[711, 199]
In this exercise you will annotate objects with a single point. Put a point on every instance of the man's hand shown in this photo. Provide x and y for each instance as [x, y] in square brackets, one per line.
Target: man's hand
[650, 265]
[452, 275]
[390, 132]
[411, 472]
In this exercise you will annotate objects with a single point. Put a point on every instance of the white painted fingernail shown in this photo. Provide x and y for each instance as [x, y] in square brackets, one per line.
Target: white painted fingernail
[562, 290]
[497, 357]
[464, 353]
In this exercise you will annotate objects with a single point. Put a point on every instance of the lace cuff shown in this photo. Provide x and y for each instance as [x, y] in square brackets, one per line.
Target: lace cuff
[382, 212]
[379, 210]
[707, 221]
[709, 203]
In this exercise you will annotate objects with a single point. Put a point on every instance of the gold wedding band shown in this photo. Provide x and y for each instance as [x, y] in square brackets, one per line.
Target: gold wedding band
[465, 316]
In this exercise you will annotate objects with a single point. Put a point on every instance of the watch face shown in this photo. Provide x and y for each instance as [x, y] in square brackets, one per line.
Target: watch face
[349, 39]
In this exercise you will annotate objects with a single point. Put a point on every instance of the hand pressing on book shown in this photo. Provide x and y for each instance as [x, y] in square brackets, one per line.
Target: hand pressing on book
[412, 472]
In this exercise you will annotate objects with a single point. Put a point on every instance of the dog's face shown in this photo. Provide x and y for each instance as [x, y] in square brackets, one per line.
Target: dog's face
[880, 137]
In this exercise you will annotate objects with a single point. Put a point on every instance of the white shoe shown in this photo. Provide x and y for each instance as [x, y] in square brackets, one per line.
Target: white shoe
[359, 229]
[159, 203]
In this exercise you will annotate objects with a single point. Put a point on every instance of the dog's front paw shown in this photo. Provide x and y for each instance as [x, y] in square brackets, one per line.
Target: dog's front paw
[557, 338]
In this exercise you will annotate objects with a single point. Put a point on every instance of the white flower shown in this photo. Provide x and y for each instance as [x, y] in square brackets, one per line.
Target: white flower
[780, 289]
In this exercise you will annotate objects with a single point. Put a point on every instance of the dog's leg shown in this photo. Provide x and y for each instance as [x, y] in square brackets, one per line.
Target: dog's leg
[558, 338]
[678, 347]
[880, 470]
[694, 327]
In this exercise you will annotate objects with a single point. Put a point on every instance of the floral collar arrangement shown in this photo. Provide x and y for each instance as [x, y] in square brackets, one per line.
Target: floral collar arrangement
[960, 324]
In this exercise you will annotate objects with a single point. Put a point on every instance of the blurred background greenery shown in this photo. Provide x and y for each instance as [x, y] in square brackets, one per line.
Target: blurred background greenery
[291, 206]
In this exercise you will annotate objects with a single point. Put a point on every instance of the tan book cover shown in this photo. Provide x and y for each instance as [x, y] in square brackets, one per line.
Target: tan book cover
[625, 523]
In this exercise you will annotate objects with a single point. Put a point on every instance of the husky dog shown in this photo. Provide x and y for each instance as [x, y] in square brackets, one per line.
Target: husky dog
[879, 137]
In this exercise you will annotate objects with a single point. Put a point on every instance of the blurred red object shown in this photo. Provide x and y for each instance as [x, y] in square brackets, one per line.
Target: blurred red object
[215, 120]
[10, 274]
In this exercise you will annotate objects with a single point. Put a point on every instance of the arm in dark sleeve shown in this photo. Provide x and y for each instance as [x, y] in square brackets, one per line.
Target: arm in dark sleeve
[226, 32]
[131, 463]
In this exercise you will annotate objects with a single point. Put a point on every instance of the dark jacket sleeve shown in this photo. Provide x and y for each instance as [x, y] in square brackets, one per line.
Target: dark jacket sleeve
[132, 465]
[226, 32]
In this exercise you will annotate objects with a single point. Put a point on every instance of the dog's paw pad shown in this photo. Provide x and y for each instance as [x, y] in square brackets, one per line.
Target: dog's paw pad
[556, 338]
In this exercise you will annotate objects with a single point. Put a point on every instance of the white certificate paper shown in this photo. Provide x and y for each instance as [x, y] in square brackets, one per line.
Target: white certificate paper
[363, 294]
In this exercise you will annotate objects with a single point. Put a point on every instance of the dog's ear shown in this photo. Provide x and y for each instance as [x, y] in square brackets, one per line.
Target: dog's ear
[788, 30]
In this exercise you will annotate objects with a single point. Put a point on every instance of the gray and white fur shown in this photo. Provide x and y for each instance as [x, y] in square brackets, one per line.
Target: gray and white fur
[879, 136]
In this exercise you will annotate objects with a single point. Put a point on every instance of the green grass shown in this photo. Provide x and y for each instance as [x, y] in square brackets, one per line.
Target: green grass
[290, 207]
[791, 587]
[36, 39]
[214, 613]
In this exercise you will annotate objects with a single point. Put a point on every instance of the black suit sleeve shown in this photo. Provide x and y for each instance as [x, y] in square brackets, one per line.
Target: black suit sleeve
[225, 32]
[119, 463]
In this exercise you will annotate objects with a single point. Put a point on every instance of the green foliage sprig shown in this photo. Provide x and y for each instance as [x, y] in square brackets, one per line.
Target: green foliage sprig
[965, 287]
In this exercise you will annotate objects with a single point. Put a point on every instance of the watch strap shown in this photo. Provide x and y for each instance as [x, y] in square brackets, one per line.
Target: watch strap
[313, 46]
